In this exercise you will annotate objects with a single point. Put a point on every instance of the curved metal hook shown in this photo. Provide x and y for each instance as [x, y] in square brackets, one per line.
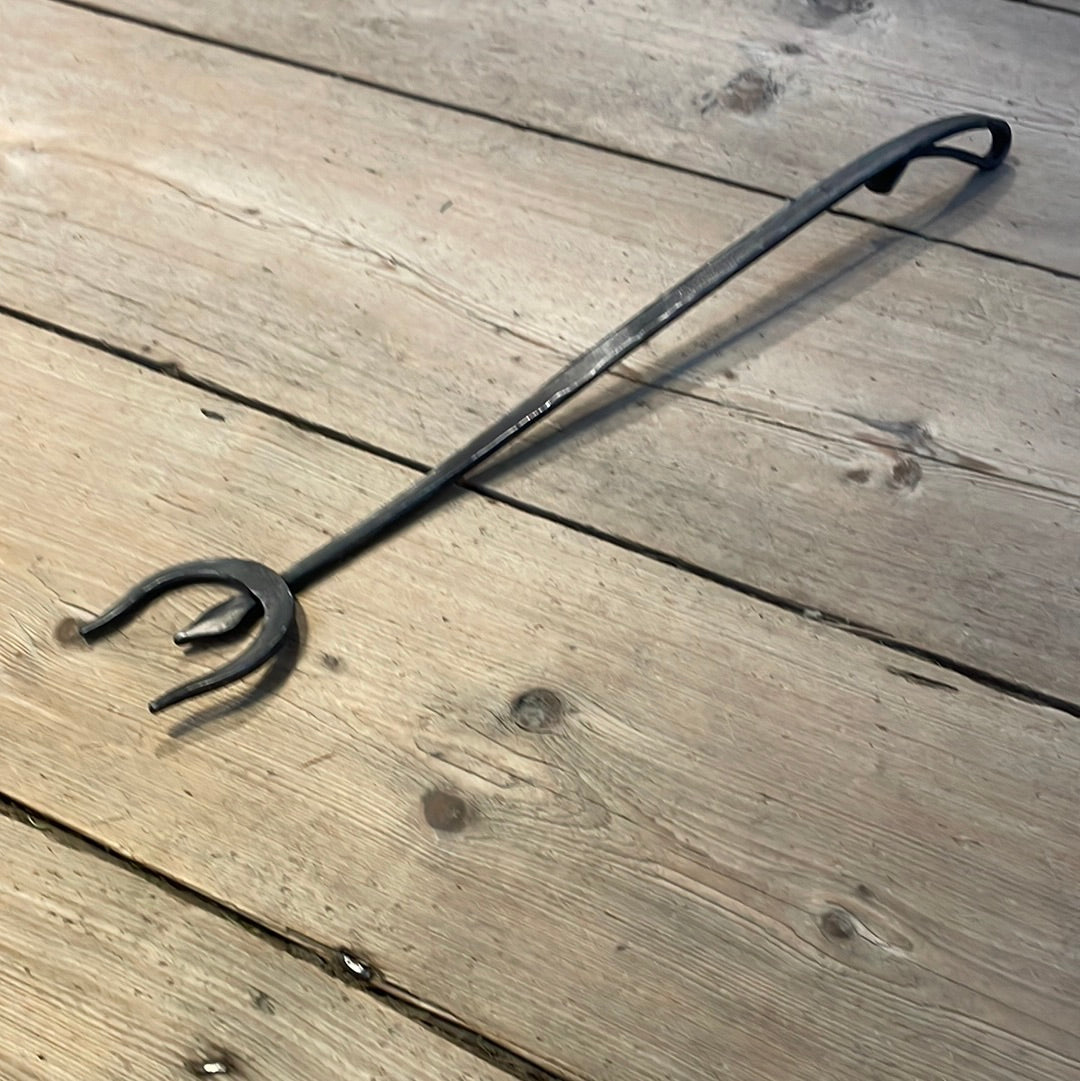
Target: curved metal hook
[926, 146]
[260, 583]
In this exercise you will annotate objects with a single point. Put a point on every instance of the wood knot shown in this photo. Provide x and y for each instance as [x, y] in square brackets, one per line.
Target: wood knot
[828, 10]
[907, 473]
[66, 633]
[857, 476]
[751, 91]
[446, 812]
[837, 925]
[818, 14]
[537, 710]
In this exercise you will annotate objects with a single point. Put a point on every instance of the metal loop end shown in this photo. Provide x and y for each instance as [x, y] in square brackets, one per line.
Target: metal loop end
[924, 143]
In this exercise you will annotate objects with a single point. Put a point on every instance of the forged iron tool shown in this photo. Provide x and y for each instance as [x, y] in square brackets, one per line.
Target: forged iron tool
[261, 590]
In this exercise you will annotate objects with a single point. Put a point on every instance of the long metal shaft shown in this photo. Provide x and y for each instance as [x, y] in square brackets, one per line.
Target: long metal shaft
[879, 169]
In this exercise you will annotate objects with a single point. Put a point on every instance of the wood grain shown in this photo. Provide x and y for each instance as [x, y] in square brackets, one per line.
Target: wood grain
[106, 976]
[724, 840]
[865, 424]
[771, 95]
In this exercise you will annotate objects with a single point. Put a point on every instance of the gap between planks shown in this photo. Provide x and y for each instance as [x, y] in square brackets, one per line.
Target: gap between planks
[835, 77]
[555, 133]
[833, 620]
[1068, 7]
[325, 959]
[833, 888]
[125, 234]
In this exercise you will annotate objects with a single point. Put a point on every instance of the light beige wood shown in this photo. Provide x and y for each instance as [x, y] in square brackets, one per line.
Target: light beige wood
[106, 976]
[735, 842]
[888, 436]
[773, 95]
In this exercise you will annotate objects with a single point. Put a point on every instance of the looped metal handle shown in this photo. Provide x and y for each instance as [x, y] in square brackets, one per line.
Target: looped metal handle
[926, 142]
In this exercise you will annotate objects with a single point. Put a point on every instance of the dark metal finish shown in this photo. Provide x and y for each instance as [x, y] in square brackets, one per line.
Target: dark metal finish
[878, 170]
[262, 588]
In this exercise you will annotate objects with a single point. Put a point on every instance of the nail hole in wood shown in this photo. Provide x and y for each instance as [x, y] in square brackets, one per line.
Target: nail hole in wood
[355, 968]
[214, 1064]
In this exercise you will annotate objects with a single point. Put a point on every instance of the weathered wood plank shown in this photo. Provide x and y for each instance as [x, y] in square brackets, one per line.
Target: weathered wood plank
[771, 95]
[106, 976]
[726, 841]
[404, 273]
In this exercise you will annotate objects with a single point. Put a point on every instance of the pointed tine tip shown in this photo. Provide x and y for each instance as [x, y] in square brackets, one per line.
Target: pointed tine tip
[220, 621]
[198, 632]
[93, 627]
[169, 698]
[182, 693]
[178, 695]
[203, 627]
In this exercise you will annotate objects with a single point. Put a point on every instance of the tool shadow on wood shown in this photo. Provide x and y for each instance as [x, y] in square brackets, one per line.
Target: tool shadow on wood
[779, 313]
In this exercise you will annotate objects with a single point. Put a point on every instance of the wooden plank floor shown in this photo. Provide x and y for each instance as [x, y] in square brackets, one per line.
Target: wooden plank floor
[106, 974]
[731, 731]
[772, 95]
[857, 376]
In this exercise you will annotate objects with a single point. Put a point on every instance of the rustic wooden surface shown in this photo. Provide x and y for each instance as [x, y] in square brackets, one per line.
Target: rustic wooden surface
[773, 95]
[610, 812]
[888, 434]
[733, 842]
[105, 975]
